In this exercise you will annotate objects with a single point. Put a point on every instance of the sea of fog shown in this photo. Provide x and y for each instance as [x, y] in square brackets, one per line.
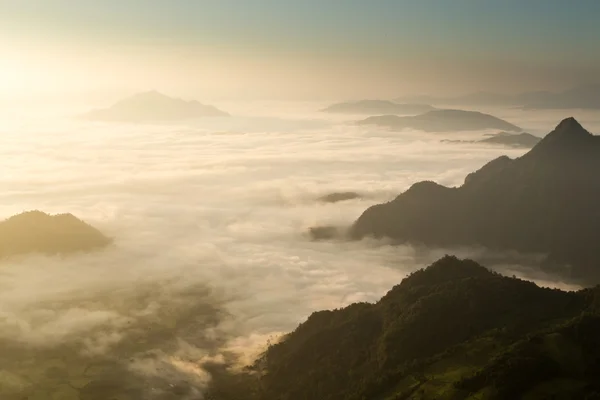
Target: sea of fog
[211, 256]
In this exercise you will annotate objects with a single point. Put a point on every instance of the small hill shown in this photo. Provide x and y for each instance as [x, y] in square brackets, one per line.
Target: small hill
[506, 139]
[336, 197]
[453, 331]
[442, 121]
[377, 107]
[154, 107]
[326, 232]
[38, 232]
[524, 140]
[545, 202]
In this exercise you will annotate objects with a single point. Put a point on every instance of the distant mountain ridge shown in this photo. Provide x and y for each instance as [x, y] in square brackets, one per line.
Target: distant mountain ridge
[546, 202]
[579, 97]
[377, 107]
[442, 120]
[154, 106]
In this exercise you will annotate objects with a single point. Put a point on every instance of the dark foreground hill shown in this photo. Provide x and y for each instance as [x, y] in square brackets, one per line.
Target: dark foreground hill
[442, 121]
[38, 232]
[154, 107]
[545, 202]
[377, 107]
[452, 331]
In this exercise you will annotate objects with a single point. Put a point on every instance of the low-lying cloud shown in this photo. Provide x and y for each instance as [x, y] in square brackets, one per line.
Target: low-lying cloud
[211, 257]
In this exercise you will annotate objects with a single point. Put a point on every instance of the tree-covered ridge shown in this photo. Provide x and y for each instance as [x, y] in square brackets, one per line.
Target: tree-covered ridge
[454, 330]
[38, 232]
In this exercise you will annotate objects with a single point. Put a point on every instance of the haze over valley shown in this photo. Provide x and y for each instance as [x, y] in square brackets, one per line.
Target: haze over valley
[200, 204]
[218, 219]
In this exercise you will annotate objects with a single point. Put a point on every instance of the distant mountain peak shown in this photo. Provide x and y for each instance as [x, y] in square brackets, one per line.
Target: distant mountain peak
[425, 187]
[442, 120]
[571, 126]
[38, 232]
[153, 105]
[568, 133]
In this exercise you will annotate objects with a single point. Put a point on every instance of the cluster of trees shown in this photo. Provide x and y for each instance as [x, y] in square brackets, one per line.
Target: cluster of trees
[566, 357]
[453, 330]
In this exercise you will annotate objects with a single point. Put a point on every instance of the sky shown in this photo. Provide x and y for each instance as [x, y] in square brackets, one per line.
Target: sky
[283, 49]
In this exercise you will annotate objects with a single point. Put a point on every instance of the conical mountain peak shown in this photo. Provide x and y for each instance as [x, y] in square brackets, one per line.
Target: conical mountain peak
[568, 135]
[570, 125]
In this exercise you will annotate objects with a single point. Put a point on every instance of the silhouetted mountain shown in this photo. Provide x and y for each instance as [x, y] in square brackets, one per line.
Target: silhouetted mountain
[38, 232]
[546, 202]
[522, 140]
[442, 120]
[453, 331]
[339, 196]
[154, 106]
[525, 140]
[377, 107]
[581, 97]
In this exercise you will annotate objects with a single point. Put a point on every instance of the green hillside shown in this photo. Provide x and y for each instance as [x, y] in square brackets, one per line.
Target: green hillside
[454, 330]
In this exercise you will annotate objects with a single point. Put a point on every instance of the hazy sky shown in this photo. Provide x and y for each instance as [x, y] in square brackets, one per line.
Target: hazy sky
[302, 49]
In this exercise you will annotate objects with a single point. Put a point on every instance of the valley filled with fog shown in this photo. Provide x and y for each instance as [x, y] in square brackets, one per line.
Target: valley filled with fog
[211, 256]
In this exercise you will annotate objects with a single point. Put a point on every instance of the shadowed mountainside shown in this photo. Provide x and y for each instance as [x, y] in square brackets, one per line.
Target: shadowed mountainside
[453, 331]
[154, 106]
[377, 107]
[38, 232]
[442, 121]
[545, 202]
